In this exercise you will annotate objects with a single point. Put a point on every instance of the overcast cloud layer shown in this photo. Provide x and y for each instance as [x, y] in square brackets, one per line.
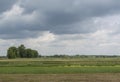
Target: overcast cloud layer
[61, 26]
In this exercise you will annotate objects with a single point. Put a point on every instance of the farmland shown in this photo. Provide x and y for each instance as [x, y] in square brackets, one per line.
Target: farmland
[97, 77]
[64, 69]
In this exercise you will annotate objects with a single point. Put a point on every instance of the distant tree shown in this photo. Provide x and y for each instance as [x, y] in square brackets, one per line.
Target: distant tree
[21, 51]
[31, 53]
[28, 53]
[35, 53]
[12, 52]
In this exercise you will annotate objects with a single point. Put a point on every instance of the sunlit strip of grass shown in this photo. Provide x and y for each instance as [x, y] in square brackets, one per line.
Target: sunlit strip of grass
[59, 70]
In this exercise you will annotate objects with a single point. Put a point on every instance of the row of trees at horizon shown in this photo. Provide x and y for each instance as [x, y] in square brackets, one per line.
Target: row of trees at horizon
[21, 52]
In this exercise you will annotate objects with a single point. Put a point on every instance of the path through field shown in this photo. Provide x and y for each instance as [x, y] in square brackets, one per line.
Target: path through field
[96, 77]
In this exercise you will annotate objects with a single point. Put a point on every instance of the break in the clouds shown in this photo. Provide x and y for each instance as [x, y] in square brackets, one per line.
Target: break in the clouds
[61, 26]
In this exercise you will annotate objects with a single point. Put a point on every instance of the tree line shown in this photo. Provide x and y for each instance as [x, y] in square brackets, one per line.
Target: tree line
[79, 56]
[21, 52]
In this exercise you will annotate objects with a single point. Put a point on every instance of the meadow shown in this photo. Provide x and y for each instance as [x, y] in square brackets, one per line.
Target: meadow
[11, 69]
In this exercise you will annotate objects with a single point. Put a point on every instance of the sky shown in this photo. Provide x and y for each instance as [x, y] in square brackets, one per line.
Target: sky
[86, 27]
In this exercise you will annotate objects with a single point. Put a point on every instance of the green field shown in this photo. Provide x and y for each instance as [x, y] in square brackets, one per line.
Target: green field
[54, 62]
[60, 70]
[59, 65]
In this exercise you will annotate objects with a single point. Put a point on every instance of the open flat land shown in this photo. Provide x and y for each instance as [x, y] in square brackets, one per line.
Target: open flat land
[60, 70]
[98, 77]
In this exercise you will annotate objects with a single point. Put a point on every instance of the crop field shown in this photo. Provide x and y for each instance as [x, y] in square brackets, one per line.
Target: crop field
[60, 70]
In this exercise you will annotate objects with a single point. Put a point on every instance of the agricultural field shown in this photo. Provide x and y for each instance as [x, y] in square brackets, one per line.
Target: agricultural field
[60, 70]
[97, 77]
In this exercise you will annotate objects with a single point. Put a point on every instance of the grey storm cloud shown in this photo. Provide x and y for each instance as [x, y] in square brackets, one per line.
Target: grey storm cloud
[56, 16]
[6, 4]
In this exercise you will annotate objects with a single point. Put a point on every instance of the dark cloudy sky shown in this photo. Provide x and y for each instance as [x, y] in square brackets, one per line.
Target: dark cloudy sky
[61, 26]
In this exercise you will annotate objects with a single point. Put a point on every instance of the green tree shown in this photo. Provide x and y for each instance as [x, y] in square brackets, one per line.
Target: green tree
[29, 53]
[21, 51]
[12, 52]
[35, 53]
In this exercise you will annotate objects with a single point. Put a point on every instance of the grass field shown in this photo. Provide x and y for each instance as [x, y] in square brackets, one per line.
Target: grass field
[60, 70]
[59, 65]
[54, 62]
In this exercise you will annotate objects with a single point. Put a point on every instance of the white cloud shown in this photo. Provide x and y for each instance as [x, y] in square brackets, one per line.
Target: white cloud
[46, 37]
[15, 11]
